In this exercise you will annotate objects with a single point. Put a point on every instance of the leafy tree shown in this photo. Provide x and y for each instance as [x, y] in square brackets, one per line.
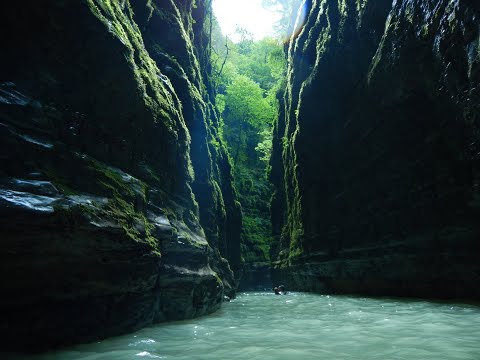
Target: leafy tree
[264, 147]
[248, 75]
[247, 113]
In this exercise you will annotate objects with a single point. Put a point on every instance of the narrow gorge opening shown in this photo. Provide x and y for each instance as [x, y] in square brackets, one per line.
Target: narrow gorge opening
[249, 73]
[154, 163]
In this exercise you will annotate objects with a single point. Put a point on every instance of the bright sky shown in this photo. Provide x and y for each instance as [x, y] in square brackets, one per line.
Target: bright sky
[248, 14]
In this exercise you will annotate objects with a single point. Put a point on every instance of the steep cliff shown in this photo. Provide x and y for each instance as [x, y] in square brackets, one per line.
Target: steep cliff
[116, 196]
[376, 157]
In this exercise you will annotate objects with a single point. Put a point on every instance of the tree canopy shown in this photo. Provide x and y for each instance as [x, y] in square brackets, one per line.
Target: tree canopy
[248, 75]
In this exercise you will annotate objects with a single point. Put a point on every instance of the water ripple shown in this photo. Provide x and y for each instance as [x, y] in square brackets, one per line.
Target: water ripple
[302, 326]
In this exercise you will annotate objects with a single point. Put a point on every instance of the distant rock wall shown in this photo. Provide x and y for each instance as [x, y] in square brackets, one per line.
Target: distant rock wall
[116, 197]
[376, 159]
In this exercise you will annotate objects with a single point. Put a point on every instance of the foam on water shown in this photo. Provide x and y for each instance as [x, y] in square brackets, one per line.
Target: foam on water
[302, 326]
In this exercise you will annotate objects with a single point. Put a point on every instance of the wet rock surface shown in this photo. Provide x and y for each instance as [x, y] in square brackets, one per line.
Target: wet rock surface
[101, 231]
[375, 159]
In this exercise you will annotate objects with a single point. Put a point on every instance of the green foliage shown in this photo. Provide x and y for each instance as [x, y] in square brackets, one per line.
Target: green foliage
[220, 102]
[256, 239]
[255, 194]
[248, 116]
[265, 146]
[245, 102]
[247, 87]
[262, 61]
[248, 75]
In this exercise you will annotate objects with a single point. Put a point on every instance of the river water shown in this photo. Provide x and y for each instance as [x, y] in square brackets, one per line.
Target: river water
[261, 325]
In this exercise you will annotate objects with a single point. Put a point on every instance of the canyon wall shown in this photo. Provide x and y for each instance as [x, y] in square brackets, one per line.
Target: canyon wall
[376, 160]
[116, 197]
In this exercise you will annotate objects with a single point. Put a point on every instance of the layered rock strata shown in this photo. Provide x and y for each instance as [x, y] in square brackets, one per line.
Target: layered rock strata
[376, 155]
[116, 196]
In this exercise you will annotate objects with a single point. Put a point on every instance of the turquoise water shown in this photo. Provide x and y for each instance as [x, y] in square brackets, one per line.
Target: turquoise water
[302, 326]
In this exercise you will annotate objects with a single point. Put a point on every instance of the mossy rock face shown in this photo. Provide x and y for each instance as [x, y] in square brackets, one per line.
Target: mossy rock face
[117, 210]
[187, 68]
[375, 153]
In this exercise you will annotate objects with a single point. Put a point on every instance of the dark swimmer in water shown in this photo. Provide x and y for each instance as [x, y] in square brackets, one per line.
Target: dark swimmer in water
[280, 290]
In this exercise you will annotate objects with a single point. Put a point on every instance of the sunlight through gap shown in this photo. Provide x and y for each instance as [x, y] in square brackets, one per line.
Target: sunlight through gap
[247, 14]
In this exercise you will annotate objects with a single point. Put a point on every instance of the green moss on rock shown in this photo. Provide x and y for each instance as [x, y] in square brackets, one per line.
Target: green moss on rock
[369, 152]
[109, 121]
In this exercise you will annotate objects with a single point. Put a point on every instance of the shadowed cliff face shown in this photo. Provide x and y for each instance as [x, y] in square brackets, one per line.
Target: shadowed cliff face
[188, 69]
[376, 158]
[116, 209]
